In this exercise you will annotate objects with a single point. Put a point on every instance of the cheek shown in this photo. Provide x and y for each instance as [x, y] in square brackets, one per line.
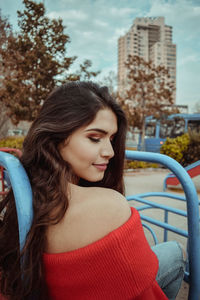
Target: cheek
[79, 154]
[86, 153]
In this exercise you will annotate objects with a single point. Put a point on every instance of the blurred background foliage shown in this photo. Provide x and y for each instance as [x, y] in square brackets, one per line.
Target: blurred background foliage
[12, 142]
[185, 148]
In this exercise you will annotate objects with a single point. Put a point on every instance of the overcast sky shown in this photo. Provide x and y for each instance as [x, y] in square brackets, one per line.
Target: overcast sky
[94, 27]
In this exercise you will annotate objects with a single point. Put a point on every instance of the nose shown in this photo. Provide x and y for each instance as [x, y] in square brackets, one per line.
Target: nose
[107, 150]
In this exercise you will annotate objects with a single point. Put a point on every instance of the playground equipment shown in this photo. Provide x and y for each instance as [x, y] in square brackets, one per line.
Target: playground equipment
[3, 185]
[171, 179]
[192, 273]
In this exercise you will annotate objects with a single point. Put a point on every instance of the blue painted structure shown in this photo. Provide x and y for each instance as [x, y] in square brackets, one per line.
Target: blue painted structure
[22, 193]
[192, 214]
[192, 169]
[23, 197]
[153, 142]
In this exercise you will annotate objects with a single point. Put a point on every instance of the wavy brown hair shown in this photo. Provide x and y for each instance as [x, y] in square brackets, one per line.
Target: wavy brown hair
[69, 107]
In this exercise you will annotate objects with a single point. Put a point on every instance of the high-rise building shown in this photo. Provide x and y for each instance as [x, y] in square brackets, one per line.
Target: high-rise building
[150, 39]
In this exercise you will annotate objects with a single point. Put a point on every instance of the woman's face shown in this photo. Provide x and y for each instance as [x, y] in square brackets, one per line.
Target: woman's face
[89, 149]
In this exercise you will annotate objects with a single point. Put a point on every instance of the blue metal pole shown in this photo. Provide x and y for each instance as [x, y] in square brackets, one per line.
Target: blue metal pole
[22, 193]
[192, 209]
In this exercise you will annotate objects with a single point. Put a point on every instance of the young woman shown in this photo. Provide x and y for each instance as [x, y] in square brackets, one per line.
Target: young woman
[85, 242]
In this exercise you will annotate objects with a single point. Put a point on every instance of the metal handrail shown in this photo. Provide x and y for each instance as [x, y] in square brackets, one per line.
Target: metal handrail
[192, 203]
[22, 193]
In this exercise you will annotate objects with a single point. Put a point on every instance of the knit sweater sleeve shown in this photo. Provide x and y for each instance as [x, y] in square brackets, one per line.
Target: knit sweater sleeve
[121, 265]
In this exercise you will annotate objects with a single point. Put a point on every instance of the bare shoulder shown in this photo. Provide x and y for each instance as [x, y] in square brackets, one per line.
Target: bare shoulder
[111, 205]
[105, 208]
[111, 196]
[93, 213]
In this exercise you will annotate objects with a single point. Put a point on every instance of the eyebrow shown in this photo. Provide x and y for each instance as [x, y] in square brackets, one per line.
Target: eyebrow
[99, 130]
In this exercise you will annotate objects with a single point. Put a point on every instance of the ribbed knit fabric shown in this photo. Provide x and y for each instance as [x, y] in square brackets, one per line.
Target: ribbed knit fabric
[119, 266]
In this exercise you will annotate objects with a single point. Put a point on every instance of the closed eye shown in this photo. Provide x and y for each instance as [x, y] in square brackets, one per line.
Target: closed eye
[94, 140]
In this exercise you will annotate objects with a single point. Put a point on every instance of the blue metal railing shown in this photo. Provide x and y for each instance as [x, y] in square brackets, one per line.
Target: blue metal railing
[192, 214]
[22, 193]
[188, 168]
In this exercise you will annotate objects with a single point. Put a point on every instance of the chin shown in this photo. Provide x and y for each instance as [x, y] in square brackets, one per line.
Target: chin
[94, 178]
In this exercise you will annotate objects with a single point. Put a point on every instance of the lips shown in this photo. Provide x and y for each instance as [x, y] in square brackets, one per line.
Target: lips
[101, 167]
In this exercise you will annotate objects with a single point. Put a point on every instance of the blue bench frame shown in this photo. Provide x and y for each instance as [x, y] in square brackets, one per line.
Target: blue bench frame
[23, 197]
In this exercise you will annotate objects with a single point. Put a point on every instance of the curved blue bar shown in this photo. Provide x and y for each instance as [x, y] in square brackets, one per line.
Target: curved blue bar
[162, 194]
[22, 193]
[152, 232]
[164, 225]
[189, 167]
[192, 210]
[157, 205]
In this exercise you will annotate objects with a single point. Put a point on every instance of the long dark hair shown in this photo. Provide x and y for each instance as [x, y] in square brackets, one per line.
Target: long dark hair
[68, 108]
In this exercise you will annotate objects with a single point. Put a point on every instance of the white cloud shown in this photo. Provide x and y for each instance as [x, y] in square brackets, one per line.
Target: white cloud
[122, 11]
[192, 58]
[89, 35]
[72, 14]
[101, 23]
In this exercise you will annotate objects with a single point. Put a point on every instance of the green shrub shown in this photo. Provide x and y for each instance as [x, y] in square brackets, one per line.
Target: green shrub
[12, 142]
[192, 153]
[176, 147]
[185, 148]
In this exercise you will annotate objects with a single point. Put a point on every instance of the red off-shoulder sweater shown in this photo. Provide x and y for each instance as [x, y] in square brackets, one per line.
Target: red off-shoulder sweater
[119, 266]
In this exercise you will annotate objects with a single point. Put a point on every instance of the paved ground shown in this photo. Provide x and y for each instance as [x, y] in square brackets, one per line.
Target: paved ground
[152, 181]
